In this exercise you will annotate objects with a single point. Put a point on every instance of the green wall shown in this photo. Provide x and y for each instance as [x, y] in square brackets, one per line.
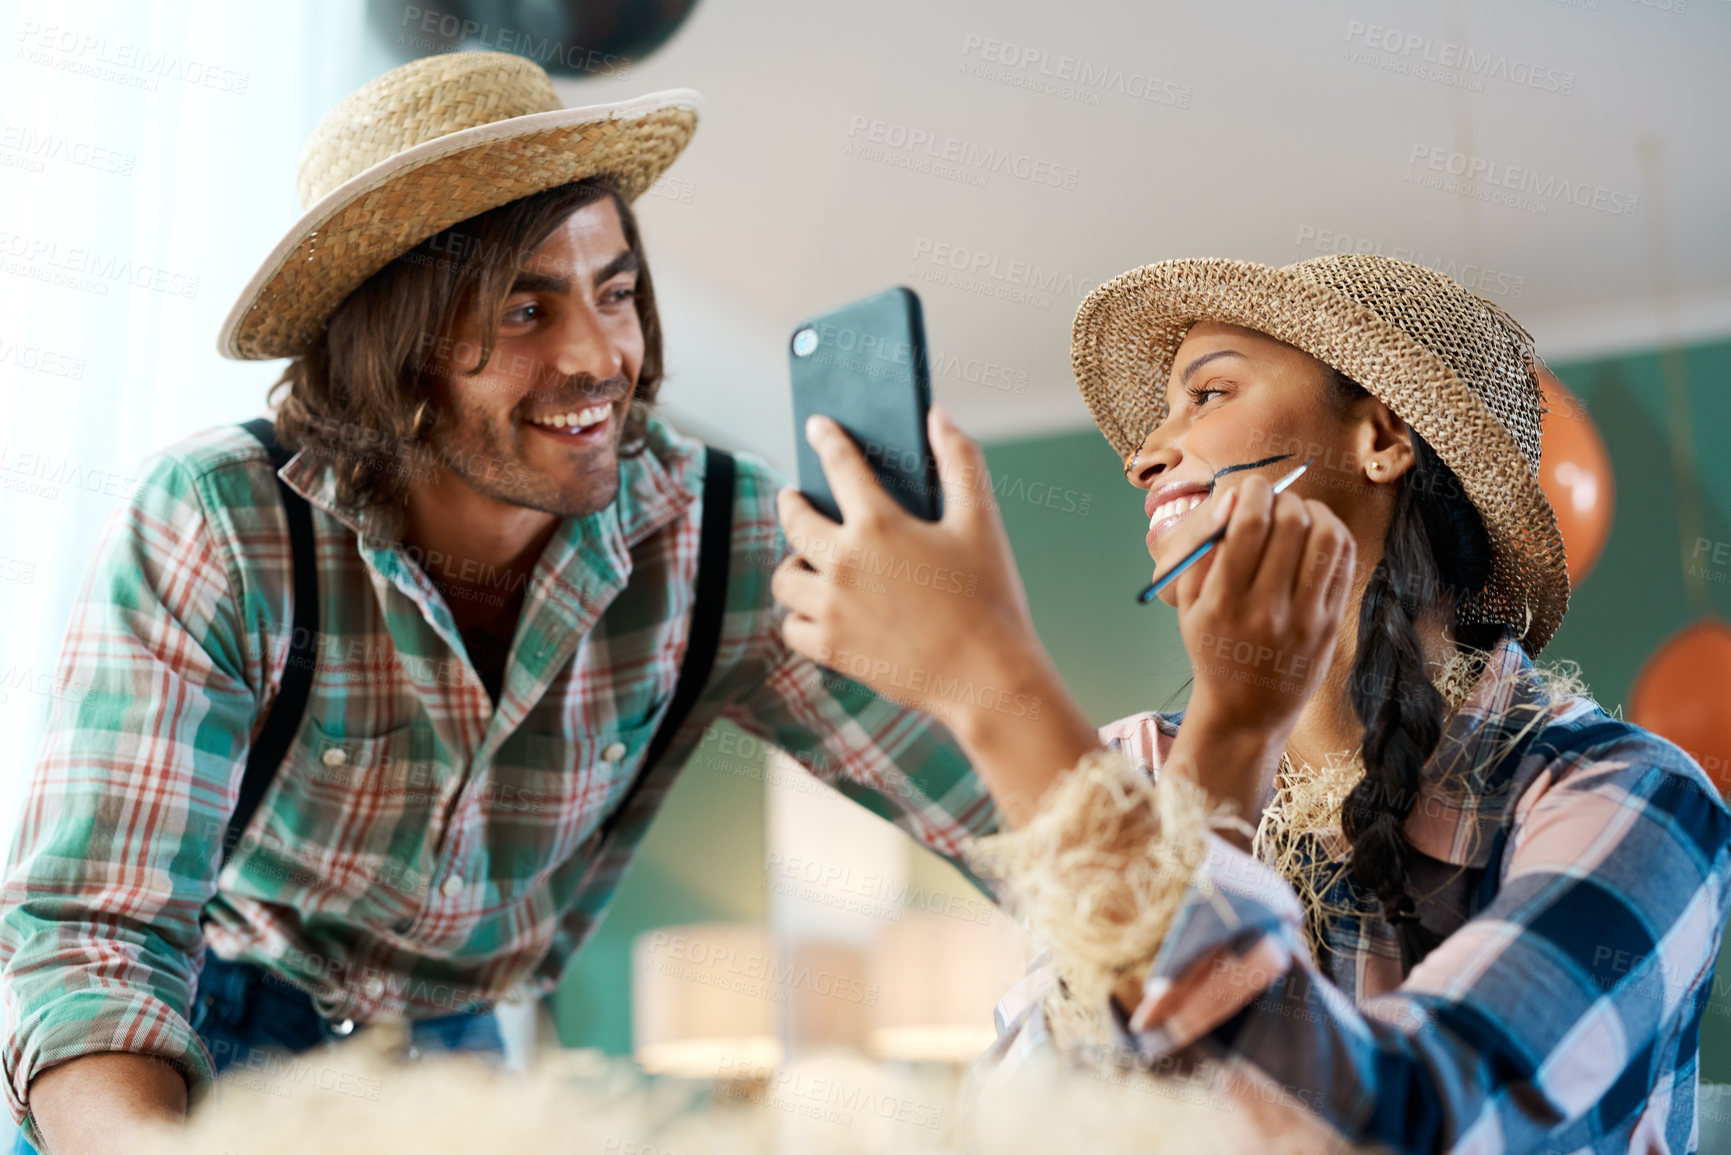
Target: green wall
[1077, 527]
[702, 860]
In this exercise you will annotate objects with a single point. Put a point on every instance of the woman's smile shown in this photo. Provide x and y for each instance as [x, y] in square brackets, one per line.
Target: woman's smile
[1173, 511]
[1169, 505]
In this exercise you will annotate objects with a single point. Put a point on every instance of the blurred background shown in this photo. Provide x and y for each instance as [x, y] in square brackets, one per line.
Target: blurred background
[1566, 159]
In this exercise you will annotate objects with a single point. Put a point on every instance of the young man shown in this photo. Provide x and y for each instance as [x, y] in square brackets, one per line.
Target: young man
[507, 555]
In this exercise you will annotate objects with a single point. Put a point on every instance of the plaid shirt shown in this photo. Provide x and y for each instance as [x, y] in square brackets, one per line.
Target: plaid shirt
[418, 850]
[1581, 880]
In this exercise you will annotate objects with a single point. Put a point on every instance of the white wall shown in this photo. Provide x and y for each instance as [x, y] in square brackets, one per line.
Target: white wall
[147, 150]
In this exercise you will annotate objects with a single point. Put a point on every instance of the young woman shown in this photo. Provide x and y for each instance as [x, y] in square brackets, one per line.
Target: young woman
[1382, 871]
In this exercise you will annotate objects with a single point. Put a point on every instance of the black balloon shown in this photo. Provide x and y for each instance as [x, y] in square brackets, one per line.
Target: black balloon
[576, 38]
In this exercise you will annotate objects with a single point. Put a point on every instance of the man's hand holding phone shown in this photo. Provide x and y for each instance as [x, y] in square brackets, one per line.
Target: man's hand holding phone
[929, 614]
[912, 608]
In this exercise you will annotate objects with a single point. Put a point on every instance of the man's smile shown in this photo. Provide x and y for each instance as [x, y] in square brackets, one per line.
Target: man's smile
[591, 425]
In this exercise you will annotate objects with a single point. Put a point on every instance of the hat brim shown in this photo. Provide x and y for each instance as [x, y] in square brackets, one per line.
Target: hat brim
[1126, 335]
[363, 224]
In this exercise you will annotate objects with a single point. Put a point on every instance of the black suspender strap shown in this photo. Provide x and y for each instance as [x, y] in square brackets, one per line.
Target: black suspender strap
[611, 844]
[297, 679]
[714, 546]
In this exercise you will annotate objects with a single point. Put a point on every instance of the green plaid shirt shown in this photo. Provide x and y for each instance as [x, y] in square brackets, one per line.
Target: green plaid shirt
[419, 850]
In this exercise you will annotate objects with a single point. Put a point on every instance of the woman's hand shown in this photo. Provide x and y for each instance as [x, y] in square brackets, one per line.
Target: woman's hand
[929, 614]
[1259, 616]
[914, 609]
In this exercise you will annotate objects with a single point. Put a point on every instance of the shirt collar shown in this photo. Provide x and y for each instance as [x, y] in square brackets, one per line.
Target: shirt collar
[1468, 783]
[312, 475]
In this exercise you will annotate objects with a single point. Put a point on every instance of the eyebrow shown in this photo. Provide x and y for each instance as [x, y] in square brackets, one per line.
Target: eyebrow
[527, 282]
[1190, 369]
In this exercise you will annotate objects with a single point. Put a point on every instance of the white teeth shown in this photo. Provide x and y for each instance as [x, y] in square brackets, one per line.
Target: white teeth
[1178, 505]
[581, 419]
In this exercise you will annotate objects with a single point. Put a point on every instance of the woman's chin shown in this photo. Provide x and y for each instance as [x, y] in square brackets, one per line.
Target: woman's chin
[1164, 560]
[1169, 595]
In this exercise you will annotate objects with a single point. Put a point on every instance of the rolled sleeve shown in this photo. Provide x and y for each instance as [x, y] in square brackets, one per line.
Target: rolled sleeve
[1120, 871]
[1235, 933]
[130, 1018]
[115, 852]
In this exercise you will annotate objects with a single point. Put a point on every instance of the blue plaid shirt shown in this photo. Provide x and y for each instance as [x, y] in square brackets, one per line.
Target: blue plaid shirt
[1579, 873]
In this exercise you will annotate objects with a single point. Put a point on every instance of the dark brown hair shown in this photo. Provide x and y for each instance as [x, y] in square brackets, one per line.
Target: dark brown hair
[361, 396]
[1436, 552]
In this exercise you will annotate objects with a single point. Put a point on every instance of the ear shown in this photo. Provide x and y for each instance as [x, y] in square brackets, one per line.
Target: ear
[1384, 443]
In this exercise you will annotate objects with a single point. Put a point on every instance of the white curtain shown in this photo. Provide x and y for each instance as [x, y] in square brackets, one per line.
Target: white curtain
[147, 155]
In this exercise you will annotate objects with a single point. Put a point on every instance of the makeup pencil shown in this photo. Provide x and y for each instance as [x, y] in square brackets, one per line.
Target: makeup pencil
[1201, 551]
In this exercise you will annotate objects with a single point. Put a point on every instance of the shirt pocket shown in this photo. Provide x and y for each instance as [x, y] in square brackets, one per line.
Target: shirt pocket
[553, 791]
[350, 817]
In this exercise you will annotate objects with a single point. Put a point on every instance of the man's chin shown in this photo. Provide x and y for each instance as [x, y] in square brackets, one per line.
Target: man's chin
[593, 492]
[567, 483]
[570, 499]
[562, 493]
[588, 507]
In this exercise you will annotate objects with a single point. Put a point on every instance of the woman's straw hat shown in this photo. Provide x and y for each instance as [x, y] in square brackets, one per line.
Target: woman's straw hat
[424, 146]
[1456, 368]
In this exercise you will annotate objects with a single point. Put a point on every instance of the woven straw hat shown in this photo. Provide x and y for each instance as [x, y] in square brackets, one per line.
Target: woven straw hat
[1456, 368]
[422, 147]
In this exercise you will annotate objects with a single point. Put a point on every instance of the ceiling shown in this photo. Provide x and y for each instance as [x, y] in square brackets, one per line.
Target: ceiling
[1083, 139]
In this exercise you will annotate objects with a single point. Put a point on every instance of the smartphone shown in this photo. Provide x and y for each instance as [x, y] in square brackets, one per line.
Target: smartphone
[864, 365]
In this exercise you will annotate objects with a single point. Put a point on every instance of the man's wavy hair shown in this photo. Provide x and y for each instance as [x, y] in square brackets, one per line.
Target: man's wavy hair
[362, 397]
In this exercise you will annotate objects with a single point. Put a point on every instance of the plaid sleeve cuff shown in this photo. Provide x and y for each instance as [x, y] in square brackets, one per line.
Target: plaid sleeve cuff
[91, 1022]
[1105, 866]
[1234, 935]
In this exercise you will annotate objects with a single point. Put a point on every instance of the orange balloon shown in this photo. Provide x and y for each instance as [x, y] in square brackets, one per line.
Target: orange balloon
[1575, 473]
[1684, 693]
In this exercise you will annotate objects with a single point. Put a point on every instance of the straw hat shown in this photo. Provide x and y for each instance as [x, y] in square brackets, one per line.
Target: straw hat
[1456, 368]
[422, 147]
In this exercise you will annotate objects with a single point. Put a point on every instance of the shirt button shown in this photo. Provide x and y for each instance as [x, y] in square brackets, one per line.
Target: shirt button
[334, 756]
[452, 885]
[375, 986]
[614, 752]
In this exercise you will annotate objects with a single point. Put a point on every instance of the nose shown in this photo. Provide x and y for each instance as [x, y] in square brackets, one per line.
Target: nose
[1151, 461]
[585, 348]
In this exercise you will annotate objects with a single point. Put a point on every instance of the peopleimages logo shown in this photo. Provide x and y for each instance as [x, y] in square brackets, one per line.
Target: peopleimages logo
[979, 262]
[1485, 178]
[1478, 278]
[871, 139]
[37, 147]
[1447, 54]
[1070, 77]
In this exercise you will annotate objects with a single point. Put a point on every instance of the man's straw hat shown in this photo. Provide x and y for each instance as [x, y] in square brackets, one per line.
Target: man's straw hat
[1456, 368]
[422, 147]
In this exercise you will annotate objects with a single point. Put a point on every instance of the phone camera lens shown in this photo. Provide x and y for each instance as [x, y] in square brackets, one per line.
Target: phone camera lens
[805, 343]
